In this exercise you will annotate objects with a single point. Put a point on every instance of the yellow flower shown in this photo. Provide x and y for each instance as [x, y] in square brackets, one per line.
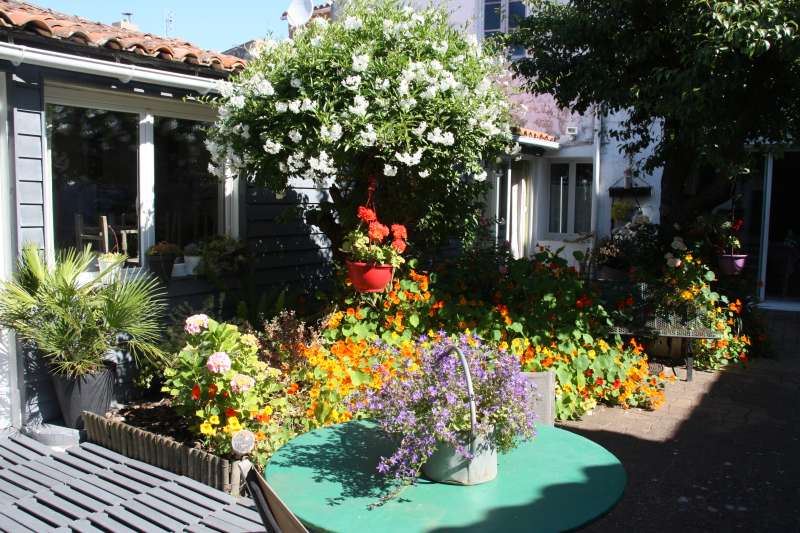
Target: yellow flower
[267, 410]
[503, 346]
[687, 295]
[233, 424]
[592, 354]
[206, 429]
[214, 420]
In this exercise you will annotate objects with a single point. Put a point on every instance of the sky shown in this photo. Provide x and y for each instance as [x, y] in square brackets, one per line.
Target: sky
[217, 25]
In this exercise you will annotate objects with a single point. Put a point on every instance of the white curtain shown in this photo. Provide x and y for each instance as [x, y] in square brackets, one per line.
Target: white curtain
[521, 209]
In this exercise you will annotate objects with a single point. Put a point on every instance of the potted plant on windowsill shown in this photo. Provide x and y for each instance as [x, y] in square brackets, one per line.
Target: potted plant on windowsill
[161, 258]
[372, 257]
[192, 255]
[452, 406]
[77, 326]
[109, 263]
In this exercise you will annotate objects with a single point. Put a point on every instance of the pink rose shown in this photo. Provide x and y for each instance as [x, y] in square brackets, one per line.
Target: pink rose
[218, 363]
[195, 324]
[242, 383]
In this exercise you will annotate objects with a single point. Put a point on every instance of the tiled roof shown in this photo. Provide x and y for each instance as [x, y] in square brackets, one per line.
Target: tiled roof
[76, 30]
[525, 132]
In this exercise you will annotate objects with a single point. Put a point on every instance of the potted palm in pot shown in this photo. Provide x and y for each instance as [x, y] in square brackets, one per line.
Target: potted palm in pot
[372, 254]
[77, 326]
[452, 407]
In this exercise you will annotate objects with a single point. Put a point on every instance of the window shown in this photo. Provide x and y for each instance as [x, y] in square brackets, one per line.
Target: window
[94, 175]
[570, 190]
[501, 16]
[128, 171]
[186, 195]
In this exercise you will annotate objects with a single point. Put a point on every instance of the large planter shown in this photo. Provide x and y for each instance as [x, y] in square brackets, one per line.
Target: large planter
[192, 263]
[163, 452]
[161, 266]
[732, 264]
[446, 465]
[91, 392]
[543, 400]
[368, 277]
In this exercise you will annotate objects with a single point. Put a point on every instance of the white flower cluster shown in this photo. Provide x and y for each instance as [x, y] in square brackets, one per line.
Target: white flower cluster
[331, 133]
[359, 107]
[437, 136]
[360, 62]
[410, 160]
[369, 136]
[272, 147]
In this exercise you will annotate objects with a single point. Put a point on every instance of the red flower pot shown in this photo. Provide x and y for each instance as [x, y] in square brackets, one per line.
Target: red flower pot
[367, 277]
[732, 264]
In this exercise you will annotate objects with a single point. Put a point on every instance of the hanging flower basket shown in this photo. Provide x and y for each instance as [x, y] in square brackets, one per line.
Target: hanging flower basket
[732, 264]
[368, 277]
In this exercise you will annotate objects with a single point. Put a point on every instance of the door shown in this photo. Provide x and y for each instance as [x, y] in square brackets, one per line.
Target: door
[782, 280]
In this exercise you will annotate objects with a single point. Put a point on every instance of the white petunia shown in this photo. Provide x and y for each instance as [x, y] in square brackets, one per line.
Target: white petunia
[294, 106]
[281, 107]
[419, 130]
[409, 159]
[438, 137]
[225, 88]
[307, 105]
[352, 82]
[407, 103]
[237, 101]
[389, 171]
[352, 23]
[480, 176]
[382, 84]
[332, 133]
[424, 173]
[296, 83]
[295, 136]
[430, 92]
[402, 88]
[368, 137]
[359, 107]
[360, 62]
[272, 147]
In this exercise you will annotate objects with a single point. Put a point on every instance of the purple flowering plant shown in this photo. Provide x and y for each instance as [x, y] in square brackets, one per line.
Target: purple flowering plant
[426, 403]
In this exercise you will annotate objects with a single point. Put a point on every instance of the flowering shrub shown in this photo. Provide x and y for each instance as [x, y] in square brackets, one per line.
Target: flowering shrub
[368, 247]
[424, 402]
[218, 381]
[383, 91]
[538, 310]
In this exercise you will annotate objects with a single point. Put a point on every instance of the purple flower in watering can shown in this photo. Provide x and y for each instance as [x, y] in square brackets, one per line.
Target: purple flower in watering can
[427, 405]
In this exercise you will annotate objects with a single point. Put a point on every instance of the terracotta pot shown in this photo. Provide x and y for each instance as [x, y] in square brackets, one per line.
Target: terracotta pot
[732, 264]
[368, 277]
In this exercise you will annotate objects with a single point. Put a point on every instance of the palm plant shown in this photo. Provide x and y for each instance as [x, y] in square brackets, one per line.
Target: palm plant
[74, 325]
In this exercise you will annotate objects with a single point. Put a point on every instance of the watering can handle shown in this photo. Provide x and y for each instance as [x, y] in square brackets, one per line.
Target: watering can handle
[473, 417]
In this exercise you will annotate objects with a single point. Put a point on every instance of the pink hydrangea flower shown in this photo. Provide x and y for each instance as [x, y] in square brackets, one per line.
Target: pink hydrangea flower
[242, 383]
[218, 363]
[195, 324]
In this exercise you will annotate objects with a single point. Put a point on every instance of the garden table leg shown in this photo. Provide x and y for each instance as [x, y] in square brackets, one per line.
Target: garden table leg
[687, 348]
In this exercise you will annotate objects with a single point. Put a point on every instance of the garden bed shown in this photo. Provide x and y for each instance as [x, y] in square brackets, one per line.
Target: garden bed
[164, 452]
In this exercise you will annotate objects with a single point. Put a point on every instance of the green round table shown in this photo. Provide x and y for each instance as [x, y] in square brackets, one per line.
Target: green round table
[556, 482]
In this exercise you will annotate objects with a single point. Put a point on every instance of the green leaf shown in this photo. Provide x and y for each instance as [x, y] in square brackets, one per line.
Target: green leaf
[414, 320]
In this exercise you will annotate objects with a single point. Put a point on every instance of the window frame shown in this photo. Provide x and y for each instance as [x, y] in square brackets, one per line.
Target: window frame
[147, 108]
[504, 19]
[570, 234]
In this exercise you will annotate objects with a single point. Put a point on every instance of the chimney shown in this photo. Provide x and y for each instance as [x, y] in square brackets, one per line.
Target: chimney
[126, 23]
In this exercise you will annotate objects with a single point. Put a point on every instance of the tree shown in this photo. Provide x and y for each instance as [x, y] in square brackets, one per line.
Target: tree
[700, 80]
[385, 92]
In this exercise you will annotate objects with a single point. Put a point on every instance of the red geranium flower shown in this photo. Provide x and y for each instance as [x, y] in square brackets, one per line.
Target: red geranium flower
[212, 390]
[229, 412]
[399, 231]
[736, 226]
[366, 214]
[399, 245]
[377, 231]
[196, 392]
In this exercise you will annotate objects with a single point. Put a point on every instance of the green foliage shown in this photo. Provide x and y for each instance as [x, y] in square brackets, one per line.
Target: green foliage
[696, 79]
[383, 92]
[75, 325]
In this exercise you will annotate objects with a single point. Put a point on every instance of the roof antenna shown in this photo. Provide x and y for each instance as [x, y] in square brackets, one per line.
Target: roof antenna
[169, 19]
[127, 16]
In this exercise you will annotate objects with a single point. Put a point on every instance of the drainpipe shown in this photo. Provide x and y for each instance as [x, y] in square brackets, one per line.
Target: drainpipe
[19, 54]
[598, 122]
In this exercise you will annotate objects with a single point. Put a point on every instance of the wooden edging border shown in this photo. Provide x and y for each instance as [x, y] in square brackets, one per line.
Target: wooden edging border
[165, 453]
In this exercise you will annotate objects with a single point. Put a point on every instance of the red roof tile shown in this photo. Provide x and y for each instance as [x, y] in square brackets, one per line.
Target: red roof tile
[73, 29]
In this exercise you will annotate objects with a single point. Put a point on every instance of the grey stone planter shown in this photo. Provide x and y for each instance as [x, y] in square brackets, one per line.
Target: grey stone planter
[544, 396]
[165, 453]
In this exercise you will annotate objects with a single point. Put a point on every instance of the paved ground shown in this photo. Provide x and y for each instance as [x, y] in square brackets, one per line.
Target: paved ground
[723, 454]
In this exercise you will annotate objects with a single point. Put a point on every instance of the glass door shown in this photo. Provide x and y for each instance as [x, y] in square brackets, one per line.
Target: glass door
[782, 280]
